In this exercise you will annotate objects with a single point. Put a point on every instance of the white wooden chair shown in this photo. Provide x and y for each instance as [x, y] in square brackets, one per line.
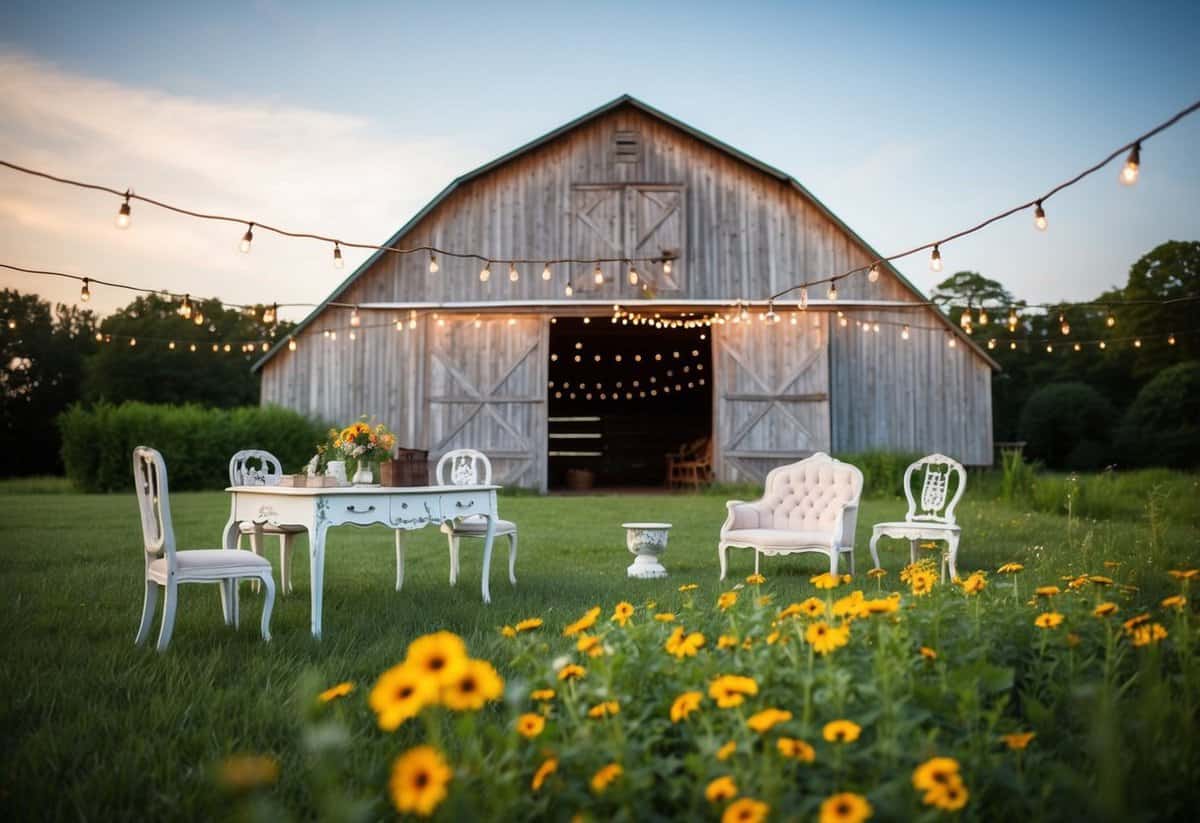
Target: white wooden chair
[932, 517]
[468, 467]
[242, 472]
[167, 567]
[809, 506]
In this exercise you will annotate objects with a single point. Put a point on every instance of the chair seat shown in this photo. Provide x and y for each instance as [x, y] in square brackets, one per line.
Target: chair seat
[777, 538]
[246, 527]
[212, 564]
[476, 526]
[903, 529]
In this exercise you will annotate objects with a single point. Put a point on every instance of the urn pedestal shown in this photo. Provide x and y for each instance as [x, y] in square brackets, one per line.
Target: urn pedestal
[647, 541]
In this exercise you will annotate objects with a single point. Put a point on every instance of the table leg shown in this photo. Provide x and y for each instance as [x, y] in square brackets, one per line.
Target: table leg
[400, 537]
[316, 570]
[488, 540]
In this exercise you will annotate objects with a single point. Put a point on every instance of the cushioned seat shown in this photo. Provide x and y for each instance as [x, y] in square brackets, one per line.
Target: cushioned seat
[221, 562]
[477, 525]
[776, 538]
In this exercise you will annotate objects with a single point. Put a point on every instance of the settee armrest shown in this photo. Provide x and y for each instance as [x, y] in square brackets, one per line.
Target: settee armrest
[847, 523]
[742, 515]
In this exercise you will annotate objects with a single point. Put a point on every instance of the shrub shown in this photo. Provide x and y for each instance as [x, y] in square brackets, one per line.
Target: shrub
[1162, 427]
[195, 442]
[1067, 425]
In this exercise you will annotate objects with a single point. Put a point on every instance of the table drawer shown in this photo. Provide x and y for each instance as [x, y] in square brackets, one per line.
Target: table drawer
[414, 511]
[464, 504]
[363, 510]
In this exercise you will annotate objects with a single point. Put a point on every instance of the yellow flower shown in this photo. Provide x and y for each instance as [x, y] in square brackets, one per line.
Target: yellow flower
[684, 705]
[922, 582]
[529, 624]
[1184, 574]
[841, 731]
[475, 684]
[762, 722]
[622, 612]
[726, 641]
[825, 581]
[688, 587]
[726, 751]
[877, 573]
[571, 671]
[746, 810]
[418, 781]
[726, 600]
[756, 579]
[603, 778]
[975, 583]
[681, 645]
[549, 766]
[845, 807]
[439, 656]
[1047, 591]
[796, 749]
[334, 692]
[721, 789]
[508, 631]
[1017, 741]
[590, 645]
[1048, 620]
[773, 638]
[1135, 621]
[1175, 601]
[765, 600]
[1077, 582]
[665, 617]
[882, 605]
[730, 690]
[530, 725]
[1112, 564]
[246, 772]
[606, 709]
[1148, 634]
[935, 772]
[825, 638]
[850, 606]
[950, 797]
[1100, 580]
[928, 653]
[1010, 568]
[400, 693]
[1105, 609]
[541, 694]
[584, 623]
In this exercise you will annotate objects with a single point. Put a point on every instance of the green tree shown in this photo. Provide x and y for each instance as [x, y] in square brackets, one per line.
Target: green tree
[970, 288]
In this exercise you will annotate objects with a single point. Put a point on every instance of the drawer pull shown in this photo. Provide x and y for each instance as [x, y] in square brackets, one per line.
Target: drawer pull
[469, 504]
[364, 510]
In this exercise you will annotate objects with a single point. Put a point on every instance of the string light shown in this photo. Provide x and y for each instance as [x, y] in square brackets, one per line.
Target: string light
[291, 344]
[633, 275]
[1012, 319]
[832, 293]
[568, 290]
[1012, 345]
[198, 318]
[873, 274]
[667, 266]
[983, 316]
[904, 332]
[124, 214]
[433, 263]
[803, 299]
[269, 314]
[1110, 320]
[85, 293]
[1102, 345]
[171, 345]
[991, 344]
[546, 274]
[337, 256]
[965, 319]
[247, 239]
[513, 274]
[1171, 339]
[486, 272]
[133, 341]
[1129, 172]
[185, 307]
[935, 259]
[1137, 344]
[598, 275]
[1063, 325]
[1039, 217]
[355, 320]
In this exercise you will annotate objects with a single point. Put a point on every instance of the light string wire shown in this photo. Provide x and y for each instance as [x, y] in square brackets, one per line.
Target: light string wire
[1035, 202]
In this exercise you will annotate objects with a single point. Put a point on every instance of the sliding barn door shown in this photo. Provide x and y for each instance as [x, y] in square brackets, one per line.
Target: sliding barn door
[486, 389]
[771, 394]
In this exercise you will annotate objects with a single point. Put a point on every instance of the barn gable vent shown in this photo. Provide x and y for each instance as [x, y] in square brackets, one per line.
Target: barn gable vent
[627, 146]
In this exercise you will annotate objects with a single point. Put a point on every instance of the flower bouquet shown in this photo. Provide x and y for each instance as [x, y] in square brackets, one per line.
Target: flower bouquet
[362, 446]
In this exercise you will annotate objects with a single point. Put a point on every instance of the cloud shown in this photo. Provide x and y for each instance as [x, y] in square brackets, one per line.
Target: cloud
[295, 167]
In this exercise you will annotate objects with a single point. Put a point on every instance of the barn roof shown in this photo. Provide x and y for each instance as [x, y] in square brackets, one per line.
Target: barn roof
[550, 136]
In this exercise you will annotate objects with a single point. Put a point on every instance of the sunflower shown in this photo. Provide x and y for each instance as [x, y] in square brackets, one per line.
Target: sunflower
[825, 638]
[439, 656]
[841, 731]
[688, 587]
[1048, 620]
[1017, 741]
[726, 641]
[1175, 601]
[400, 693]
[825, 581]
[529, 624]
[418, 781]
[928, 653]
[571, 671]
[746, 810]
[603, 778]
[1105, 609]
[762, 722]
[334, 692]
[665, 617]
[476, 684]
[726, 751]
[730, 690]
[720, 790]
[1047, 591]
[726, 600]
[1148, 634]
[1010, 568]
[584, 623]
[606, 709]
[845, 807]
[756, 579]
[541, 694]
[796, 749]
[530, 725]
[549, 766]
[622, 612]
[684, 705]
[590, 645]
[934, 773]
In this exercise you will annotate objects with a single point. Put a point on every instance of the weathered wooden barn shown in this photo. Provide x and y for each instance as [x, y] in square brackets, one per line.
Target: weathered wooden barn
[544, 381]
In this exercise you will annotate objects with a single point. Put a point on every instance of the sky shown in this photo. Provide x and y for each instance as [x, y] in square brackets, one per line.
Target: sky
[908, 120]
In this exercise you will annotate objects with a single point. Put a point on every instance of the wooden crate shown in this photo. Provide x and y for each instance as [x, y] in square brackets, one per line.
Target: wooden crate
[410, 467]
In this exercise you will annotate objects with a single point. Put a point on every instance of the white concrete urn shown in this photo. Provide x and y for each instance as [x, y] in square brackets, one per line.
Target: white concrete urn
[647, 541]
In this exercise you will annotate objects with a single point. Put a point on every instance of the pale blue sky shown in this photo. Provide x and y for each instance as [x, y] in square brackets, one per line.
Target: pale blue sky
[909, 120]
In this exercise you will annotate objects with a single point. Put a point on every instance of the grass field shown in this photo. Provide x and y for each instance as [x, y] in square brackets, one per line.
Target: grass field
[94, 728]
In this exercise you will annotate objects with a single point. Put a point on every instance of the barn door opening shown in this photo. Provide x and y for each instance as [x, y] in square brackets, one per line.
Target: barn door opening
[623, 397]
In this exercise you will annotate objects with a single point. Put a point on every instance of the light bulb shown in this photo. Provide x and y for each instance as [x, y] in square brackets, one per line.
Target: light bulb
[85, 293]
[270, 313]
[1137, 344]
[292, 344]
[667, 266]
[1110, 320]
[951, 342]
[904, 332]
[633, 276]
[832, 293]
[1171, 339]
[1012, 319]
[247, 239]
[935, 259]
[486, 272]
[803, 298]
[1063, 325]
[546, 275]
[1077, 347]
[965, 319]
[355, 320]
[171, 345]
[133, 341]
[1129, 172]
[99, 337]
[991, 343]
[337, 256]
[185, 308]
[983, 316]
[433, 264]
[123, 214]
[513, 274]
[198, 318]
[353, 334]
[598, 275]
[1039, 217]
[568, 290]
[1012, 345]
[333, 335]
[1049, 349]
[873, 274]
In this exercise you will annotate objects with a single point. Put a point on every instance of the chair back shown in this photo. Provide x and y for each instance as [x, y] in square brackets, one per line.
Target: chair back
[943, 481]
[464, 467]
[811, 494]
[150, 484]
[243, 472]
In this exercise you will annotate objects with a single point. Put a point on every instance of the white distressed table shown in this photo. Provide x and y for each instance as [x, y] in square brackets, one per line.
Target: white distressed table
[400, 508]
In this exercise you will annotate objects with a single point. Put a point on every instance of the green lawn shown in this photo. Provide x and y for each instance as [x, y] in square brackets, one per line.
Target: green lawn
[94, 728]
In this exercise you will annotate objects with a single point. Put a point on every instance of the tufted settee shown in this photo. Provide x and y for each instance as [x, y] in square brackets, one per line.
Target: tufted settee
[809, 506]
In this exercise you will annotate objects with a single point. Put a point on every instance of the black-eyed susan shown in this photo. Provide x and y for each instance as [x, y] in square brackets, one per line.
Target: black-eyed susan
[796, 749]
[665, 617]
[948, 798]
[825, 580]
[921, 582]
[877, 573]
[1175, 601]
[1135, 621]
[974, 583]
[400, 693]
[604, 777]
[825, 638]
[1105, 609]
[571, 671]
[845, 807]
[928, 653]
[731, 690]
[841, 731]
[1048, 620]
[241, 773]
[688, 587]
[681, 644]
[881, 605]
[756, 579]
[764, 600]
[542, 695]
[530, 725]
[1099, 580]
[726, 600]
[334, 692]
[476, 683]
[1184, 574]
[508, 631]
[851, 606]
[607, 708]
[767, 719]
[1010, 568]
[439, 656]
[726, 641]
[720, 790]
[746, 810]
[622, 612]
[529, 624]
[684, 705]
[584, 623]
[1017, 741]
[727, 750]
[1148, 634]
[590, 645]
[1047, 591]
[934, 773]
[549, 766]
[418, 781]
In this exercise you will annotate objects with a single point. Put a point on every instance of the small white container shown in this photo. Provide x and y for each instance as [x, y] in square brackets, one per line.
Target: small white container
[647, 541]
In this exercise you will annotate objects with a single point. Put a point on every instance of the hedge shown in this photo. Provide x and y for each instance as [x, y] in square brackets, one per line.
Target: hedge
[196, 442]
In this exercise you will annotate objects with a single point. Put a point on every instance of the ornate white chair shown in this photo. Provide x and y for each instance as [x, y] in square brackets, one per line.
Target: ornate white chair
[167, 567]
[242, 472]
[809, 506]
[468, 467]
[932, 517]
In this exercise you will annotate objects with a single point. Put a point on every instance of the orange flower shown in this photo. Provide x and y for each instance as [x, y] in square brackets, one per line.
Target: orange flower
[720, 790]
[796, 749]
[584, 623]
[530, 725]
[684, 705]
[841, 731]
[549, 766]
